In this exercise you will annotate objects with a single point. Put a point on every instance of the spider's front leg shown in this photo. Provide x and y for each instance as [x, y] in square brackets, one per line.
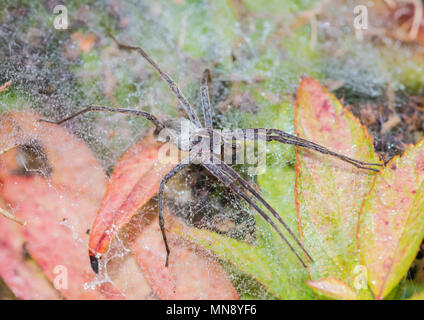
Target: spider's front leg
[159, 126]
[171, 83]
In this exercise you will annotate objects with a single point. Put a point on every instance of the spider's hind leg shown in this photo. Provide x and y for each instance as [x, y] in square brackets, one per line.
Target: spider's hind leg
[235, 176]
[229, 182]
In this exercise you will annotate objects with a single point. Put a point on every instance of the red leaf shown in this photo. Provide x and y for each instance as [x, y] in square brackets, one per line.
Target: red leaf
[192, 273]
[58, 210]
[22, 274]
[135, 180]
[56, 236]
[74, 165]
[128, 277]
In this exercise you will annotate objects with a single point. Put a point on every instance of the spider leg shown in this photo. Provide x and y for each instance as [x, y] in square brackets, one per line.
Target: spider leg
[204, 94]
[283, 134]
[234, 175]
[168, 176]
[356, 163]
[217, 172]
[283, 137]
[171, 83]
[144, 114]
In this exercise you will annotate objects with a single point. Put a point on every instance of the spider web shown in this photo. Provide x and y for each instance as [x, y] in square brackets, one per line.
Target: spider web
[254, 66]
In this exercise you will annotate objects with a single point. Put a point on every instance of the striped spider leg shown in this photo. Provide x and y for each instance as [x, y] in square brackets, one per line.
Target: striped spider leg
[286, 138]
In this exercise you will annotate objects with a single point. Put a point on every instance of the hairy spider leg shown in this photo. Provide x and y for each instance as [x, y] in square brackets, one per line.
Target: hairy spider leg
[234, 175]
[290, 136]
[324, 151]
[204, 95]
[171, 83]
[221, 176]
[283, 137]
[168, 176]
[206, 107]
[144, 114]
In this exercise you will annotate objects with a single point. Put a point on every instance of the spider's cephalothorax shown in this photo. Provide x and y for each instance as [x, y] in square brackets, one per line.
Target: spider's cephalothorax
[189, 135]
[201, 144]
[183, 134]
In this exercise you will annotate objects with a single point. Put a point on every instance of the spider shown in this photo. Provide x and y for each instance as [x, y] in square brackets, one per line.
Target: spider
[211, 161]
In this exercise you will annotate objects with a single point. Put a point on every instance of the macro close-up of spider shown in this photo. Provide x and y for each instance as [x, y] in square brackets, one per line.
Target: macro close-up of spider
[211, 150]
[207, 158]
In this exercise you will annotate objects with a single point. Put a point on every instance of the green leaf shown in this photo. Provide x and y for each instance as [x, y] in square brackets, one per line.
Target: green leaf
[274, 271]
[330, 191]
[392, 221]
[411, 288]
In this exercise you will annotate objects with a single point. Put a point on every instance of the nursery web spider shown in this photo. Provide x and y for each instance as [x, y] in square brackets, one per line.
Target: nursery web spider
[222, 171]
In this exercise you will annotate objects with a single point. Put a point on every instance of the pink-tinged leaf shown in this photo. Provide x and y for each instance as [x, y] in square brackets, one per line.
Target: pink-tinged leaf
[392, 221]
[73, 164]
[192, 272]
[135, 180]
[122, 267]
[20, 272]
[127, 276]
[329, 191]
[333, 288]
[53, 234]
[58, 210]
